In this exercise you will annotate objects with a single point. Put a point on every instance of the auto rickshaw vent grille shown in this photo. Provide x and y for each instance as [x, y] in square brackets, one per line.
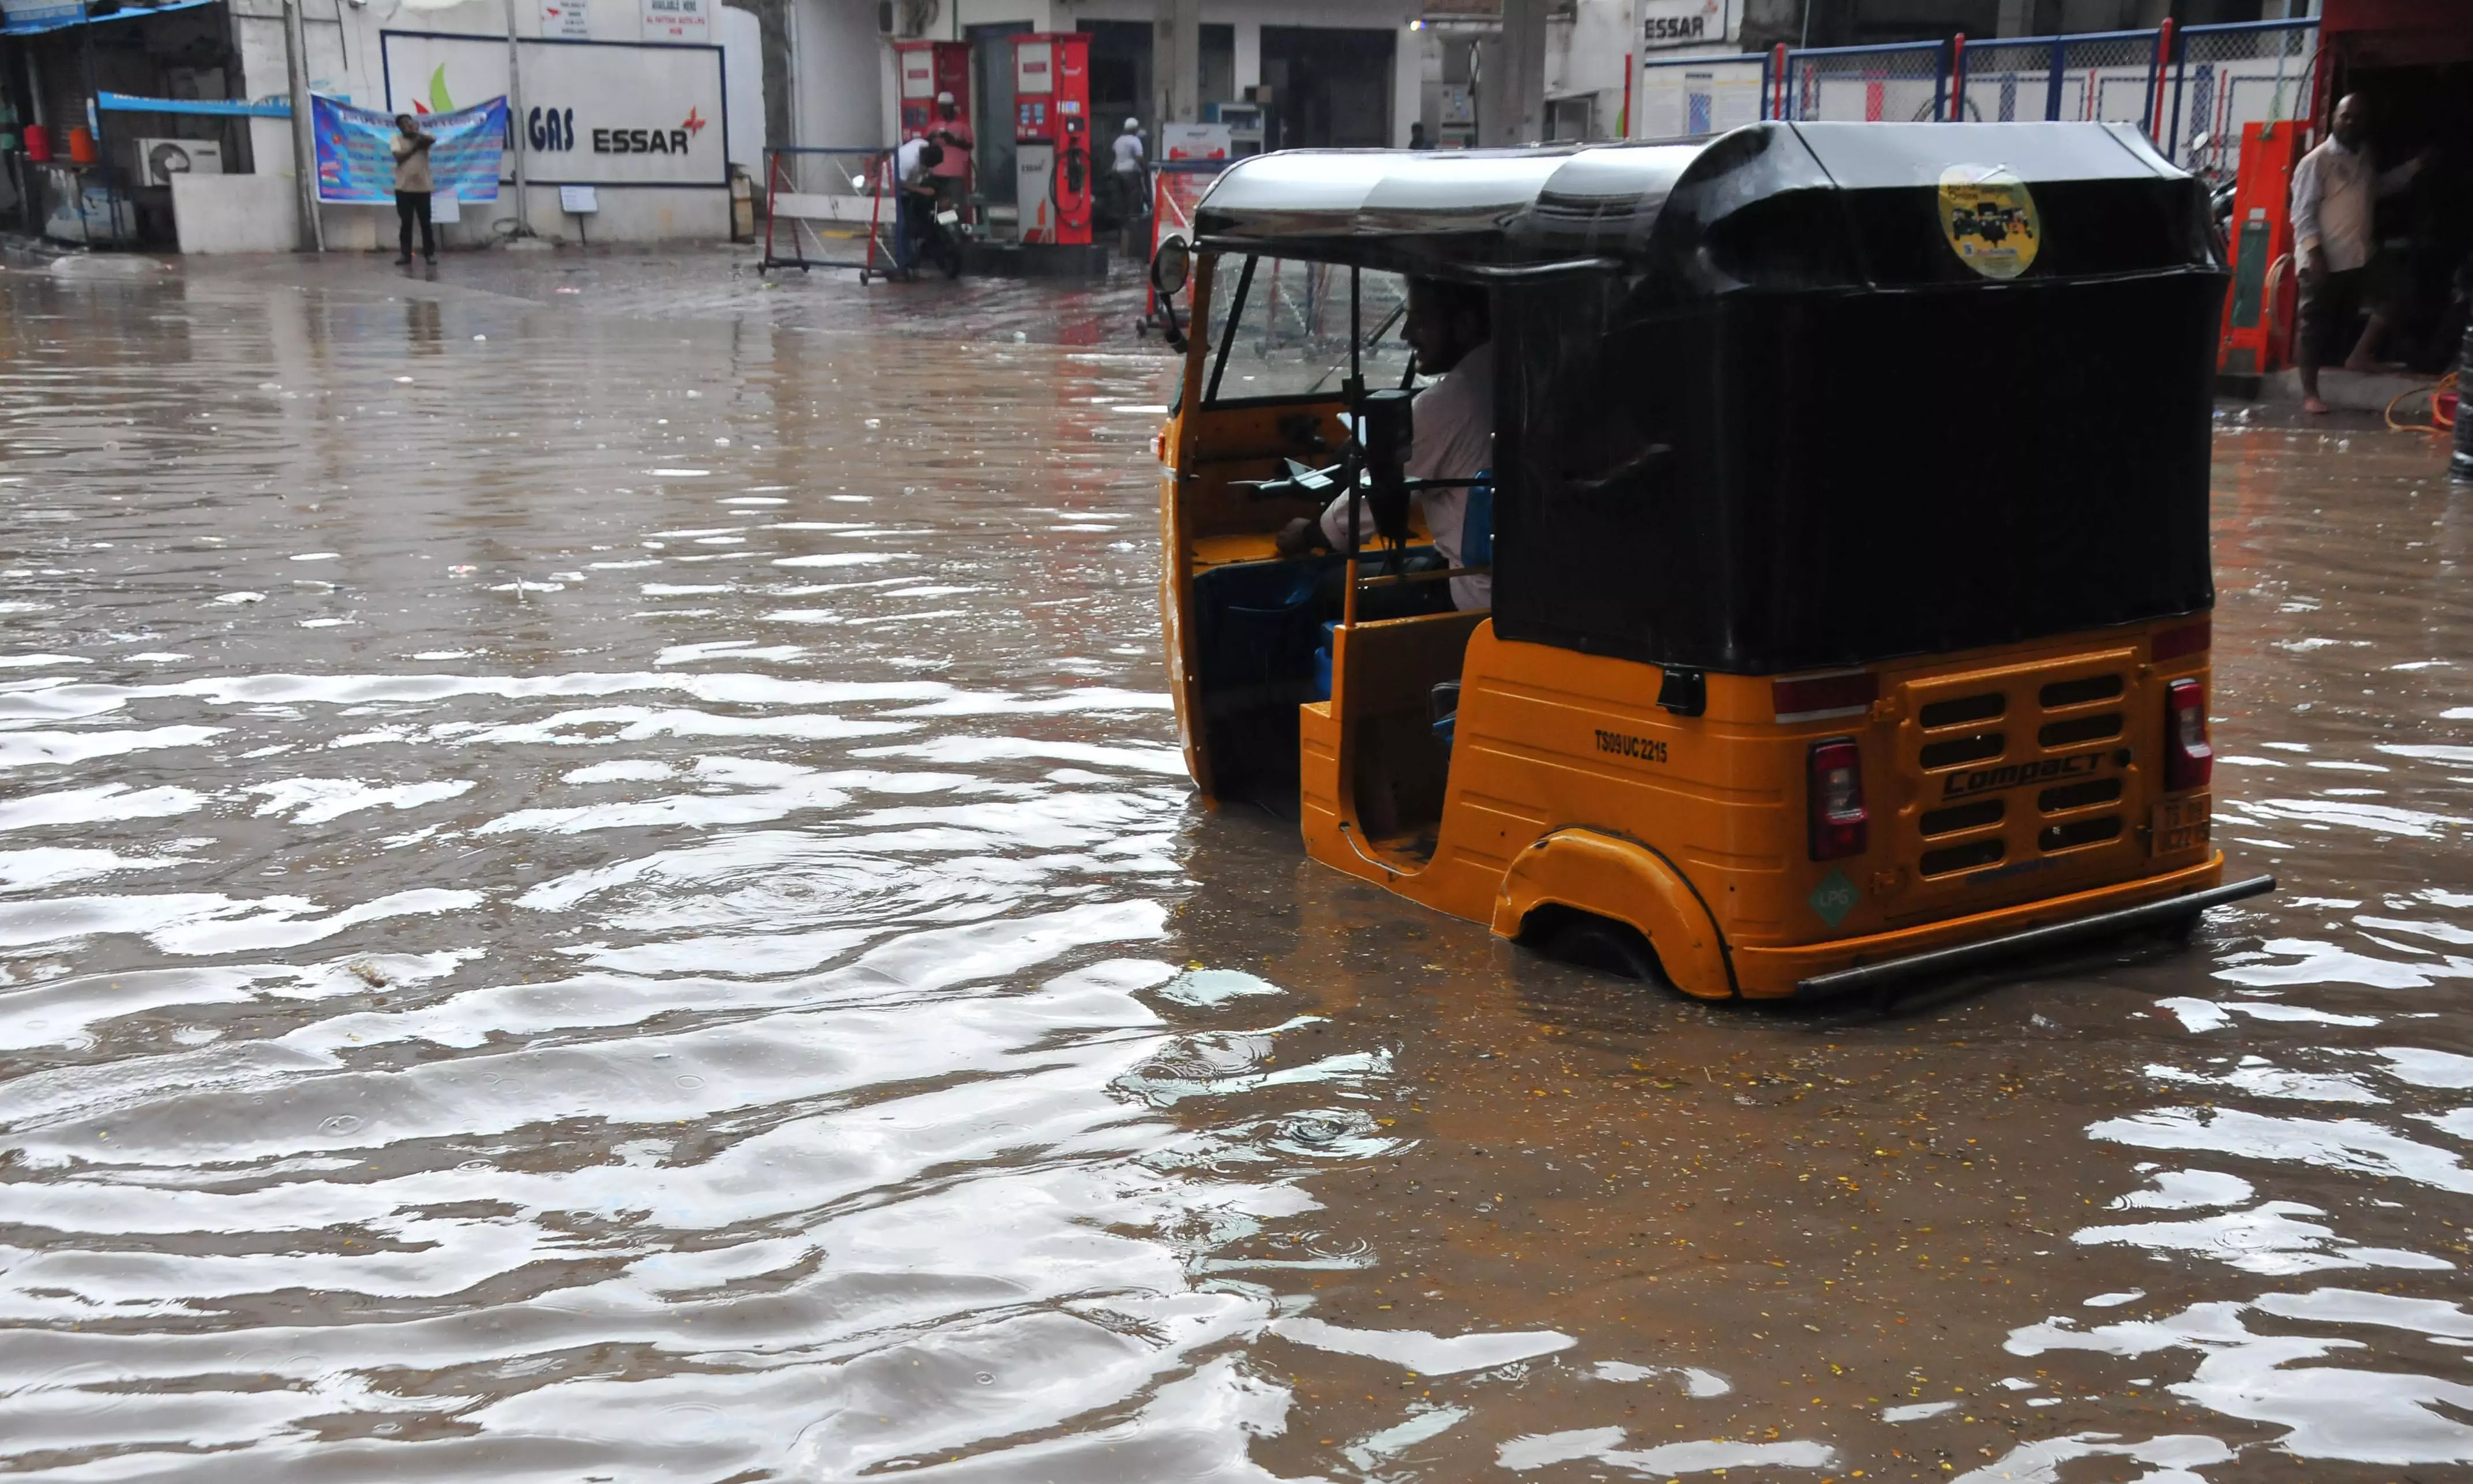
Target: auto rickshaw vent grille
[1963, 750]
[2080, 728]
[2080, 691]
[2078, 796]
[1963, 709]
[2078, 832]
[1961, 857]
[1958, 817]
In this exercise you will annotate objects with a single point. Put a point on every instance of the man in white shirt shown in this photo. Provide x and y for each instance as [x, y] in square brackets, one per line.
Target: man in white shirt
[1450, 329]
[914, 163]
[915, 199]
[1127, 169]
[2334, 189]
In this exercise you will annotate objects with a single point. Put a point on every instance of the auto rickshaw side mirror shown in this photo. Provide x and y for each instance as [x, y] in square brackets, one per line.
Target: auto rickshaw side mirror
[1171, 266]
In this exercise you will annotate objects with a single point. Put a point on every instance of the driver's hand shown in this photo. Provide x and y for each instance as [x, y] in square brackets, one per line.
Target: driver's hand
[1299, 537]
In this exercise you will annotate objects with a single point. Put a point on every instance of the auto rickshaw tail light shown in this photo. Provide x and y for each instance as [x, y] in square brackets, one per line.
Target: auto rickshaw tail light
[1807, 698]
[1841, 826]
[2189, 759]
[2186, 641]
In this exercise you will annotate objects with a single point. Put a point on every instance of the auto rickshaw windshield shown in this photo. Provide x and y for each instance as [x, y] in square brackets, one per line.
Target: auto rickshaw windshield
[1291, 323]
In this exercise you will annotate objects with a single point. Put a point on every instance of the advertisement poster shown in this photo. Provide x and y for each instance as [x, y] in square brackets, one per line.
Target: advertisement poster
[565, 20]
[596, 112]
[676, 20]
[356, 155]
[1195, 141]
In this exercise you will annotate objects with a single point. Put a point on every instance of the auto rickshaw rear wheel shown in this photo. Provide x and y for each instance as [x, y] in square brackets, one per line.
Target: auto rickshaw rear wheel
[1585, 939]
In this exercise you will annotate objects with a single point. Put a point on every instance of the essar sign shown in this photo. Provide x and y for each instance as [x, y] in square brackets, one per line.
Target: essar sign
[1673, 23]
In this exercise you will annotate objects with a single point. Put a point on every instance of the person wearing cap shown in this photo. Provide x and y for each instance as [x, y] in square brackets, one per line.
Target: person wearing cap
[952, 172]
[1128, 171]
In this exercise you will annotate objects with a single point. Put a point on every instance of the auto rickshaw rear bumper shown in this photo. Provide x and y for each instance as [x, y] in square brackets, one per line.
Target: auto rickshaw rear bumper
[1824, 971]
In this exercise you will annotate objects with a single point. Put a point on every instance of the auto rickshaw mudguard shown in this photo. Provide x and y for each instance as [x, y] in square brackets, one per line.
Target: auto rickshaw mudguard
[1624, 881]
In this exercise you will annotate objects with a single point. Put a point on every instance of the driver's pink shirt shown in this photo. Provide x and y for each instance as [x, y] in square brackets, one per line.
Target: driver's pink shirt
[956, 161]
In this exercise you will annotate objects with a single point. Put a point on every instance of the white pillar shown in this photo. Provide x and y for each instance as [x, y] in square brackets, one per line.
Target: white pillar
[515, 128]
[1407, 83]
[1515, 77]
[1249, 56]
[304, 149]
[1176, 61]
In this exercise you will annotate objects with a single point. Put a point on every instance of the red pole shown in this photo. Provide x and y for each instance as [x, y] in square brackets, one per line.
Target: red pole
[1958, 79]
[1159, 198]
[2163, 67]
[2322, 83]
[1631, 68]
[878, 167]
[1777, 85]
[771, 190]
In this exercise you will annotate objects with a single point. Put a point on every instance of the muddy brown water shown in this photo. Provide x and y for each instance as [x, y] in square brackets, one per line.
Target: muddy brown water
[594, 884]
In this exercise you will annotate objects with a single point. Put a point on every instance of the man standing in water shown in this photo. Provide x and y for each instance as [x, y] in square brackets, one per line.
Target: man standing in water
[1126, 170]
[412, 187]
[2334, 189]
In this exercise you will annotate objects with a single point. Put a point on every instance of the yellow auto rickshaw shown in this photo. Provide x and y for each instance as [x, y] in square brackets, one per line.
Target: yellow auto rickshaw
[1846, 525]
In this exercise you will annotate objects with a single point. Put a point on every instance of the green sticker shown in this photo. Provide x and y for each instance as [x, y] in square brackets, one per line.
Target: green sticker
[1834, 898]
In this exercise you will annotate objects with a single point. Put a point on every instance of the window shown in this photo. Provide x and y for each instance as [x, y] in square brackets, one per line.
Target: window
[1572, 118]
[1292, 329]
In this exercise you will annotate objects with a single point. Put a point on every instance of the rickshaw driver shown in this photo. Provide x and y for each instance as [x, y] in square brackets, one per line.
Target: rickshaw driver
[1449, 326]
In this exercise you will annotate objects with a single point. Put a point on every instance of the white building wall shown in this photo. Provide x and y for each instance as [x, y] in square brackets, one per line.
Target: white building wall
[1588, 56]
[845, 72]
[742, 48]
[345, 62]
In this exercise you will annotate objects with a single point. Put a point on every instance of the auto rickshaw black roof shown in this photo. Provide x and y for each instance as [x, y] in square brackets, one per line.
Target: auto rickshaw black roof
[1765, 402]
[1474, 213]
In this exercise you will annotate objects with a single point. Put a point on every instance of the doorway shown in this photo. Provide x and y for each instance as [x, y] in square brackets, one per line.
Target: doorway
[1120, 77]
[1330, 87]
[992, 114]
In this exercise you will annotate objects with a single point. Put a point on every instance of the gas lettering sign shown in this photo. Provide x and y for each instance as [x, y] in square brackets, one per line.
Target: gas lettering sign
[596, 112]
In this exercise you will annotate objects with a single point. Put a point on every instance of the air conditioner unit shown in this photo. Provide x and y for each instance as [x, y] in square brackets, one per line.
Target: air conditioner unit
[906, 19]
[158, 160]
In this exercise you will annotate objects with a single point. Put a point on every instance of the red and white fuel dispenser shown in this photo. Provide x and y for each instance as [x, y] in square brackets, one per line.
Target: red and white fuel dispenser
[928, 68]
[2260, 303]
[1052, 167]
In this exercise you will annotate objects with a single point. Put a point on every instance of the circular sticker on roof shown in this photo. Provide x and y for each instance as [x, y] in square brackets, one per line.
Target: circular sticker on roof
[1989, 219]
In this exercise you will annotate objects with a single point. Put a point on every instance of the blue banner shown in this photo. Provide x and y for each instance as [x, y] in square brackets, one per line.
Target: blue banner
[356, 153]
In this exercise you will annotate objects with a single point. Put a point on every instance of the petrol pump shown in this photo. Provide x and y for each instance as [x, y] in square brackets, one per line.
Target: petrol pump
[2259, 302]
[1052, 174]
[928, 68]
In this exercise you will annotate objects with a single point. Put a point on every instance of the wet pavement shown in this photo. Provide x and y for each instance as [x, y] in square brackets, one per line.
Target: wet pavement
[595, 884]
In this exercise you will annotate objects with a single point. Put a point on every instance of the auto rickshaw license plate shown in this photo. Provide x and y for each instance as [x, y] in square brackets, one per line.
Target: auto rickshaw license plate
[2180, 824]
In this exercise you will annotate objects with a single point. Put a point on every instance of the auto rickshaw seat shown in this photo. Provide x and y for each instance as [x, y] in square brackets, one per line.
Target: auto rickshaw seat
[1398, 774]
[1257, 622]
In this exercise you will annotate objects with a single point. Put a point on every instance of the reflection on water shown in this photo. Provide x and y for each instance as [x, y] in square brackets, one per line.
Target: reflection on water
[599, 886]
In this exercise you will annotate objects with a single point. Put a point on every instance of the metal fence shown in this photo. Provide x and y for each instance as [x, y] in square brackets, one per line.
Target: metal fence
[1904, 83]
[2228, 79]
[2191, 90]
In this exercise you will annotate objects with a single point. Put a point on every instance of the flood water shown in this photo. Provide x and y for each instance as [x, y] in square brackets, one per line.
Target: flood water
[595, 885]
